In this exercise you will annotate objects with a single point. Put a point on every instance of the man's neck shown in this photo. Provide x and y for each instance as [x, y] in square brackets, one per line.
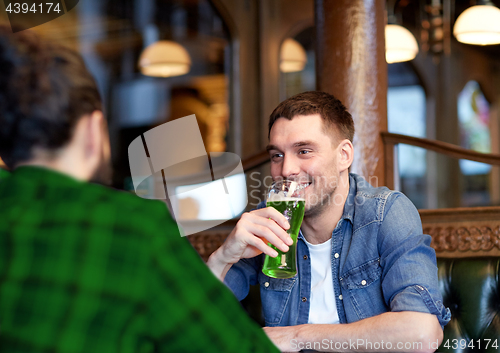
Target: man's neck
[318, 228]
[64, 163]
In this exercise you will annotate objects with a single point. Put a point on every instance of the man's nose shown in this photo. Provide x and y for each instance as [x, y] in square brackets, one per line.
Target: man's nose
[290, 167]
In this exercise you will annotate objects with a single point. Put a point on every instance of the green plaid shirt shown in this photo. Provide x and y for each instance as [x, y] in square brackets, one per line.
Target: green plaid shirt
[87, 269]
[3, 174]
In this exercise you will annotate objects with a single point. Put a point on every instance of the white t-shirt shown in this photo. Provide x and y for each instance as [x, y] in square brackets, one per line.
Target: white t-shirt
[323, 308]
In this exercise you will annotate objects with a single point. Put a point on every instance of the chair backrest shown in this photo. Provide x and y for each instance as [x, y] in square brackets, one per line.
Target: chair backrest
[470, 289]
[463, 232]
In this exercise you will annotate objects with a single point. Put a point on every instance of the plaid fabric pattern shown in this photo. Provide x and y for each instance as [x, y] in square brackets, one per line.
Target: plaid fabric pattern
[87, 269]
[3, 174]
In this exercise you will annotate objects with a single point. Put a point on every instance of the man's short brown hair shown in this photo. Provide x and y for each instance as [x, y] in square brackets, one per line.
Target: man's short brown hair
[331, 110]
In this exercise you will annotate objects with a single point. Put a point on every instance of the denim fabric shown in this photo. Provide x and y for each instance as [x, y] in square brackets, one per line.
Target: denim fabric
[384, 263]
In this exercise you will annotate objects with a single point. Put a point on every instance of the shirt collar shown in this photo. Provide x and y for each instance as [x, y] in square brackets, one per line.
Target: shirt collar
[349, 202]
[45, 176]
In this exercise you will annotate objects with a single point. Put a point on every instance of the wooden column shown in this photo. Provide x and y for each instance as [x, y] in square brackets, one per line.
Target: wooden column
[351, 65]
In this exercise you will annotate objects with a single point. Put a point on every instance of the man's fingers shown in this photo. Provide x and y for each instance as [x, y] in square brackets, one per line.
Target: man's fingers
[267, 234]
[271, 212]
[253, 233]
[268, 229]
[272, 219]
[262, 246]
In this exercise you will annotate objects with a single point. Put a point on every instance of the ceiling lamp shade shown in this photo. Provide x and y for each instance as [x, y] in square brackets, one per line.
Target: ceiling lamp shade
[292, 56]
[478, 25]
[164, 58]
[400, 44]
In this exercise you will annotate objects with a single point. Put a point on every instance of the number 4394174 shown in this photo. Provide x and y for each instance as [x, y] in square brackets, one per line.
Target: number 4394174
[483, 343]
[25, 8]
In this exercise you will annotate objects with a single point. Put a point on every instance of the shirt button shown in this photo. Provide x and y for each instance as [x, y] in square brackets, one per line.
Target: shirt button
[341, 297]
[336, 255]
[363, 283]
[266, 284]
[305, 257]
[304, 299]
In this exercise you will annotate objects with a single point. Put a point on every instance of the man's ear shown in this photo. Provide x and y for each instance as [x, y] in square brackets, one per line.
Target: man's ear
[94, 139]
[346, 155]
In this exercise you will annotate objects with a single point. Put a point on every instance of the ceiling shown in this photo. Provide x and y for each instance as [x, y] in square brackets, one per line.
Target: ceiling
[411, 14]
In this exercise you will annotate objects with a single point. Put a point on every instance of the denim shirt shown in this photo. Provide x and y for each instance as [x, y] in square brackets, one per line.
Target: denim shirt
[381, 261]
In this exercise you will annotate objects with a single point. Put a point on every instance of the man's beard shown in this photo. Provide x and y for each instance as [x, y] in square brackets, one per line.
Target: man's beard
[318, 208]
[323, 202]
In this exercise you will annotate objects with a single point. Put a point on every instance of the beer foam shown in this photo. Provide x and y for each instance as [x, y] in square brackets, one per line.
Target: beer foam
[279, 197]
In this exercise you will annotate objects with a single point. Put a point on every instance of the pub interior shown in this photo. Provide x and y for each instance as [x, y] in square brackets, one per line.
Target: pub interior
[234, 80]
[234, 55]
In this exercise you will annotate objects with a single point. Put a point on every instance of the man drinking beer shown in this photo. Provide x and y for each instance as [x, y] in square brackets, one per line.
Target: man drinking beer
[366, 272]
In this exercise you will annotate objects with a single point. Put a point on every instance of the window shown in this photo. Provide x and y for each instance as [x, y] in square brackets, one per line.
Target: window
[474, 127]
[406, 114]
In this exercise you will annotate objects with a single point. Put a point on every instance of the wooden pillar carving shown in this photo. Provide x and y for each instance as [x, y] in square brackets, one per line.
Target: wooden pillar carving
[351, 65]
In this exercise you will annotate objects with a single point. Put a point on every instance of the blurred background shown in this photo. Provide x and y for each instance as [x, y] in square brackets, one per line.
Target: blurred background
[239, 58]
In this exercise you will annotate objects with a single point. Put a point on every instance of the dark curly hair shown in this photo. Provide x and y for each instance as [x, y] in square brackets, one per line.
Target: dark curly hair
[44, 90]
[331, 110]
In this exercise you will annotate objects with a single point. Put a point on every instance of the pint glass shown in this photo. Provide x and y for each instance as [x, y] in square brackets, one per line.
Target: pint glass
[288, 198]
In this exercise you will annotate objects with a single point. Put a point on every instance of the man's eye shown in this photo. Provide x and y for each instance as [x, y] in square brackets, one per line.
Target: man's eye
[275, 156]
[304, 152]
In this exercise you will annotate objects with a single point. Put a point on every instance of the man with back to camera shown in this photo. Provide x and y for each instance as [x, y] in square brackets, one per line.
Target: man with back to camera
[84, 268]
[362, 259]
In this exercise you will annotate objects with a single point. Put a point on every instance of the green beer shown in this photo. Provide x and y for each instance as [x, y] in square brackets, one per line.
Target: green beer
[284, 265]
